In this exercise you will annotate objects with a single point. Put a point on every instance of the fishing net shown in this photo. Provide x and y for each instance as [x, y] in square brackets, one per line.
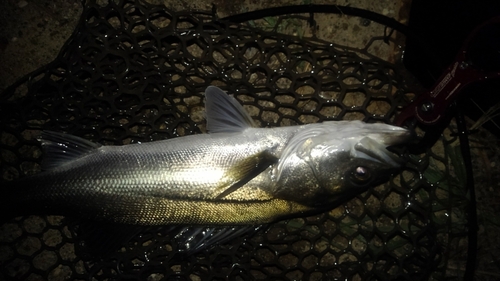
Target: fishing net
[136, 72]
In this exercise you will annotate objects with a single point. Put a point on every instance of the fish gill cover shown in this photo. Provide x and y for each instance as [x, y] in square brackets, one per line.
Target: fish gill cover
[135, 72]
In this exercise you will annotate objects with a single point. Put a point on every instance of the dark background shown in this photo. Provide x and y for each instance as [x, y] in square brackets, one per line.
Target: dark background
[442, 27]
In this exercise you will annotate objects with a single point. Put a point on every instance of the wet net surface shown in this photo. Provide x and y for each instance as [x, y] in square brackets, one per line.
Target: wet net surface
[135, 72]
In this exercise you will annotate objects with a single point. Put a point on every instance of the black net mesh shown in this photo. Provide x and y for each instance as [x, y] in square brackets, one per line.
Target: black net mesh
[136, 72]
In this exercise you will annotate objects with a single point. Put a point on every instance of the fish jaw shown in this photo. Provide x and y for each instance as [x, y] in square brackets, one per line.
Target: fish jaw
[374, 146]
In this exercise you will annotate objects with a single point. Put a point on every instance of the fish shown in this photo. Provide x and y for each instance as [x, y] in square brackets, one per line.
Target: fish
[236, 174]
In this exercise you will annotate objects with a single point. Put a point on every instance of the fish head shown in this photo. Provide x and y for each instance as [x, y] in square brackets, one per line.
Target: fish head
[333, 161]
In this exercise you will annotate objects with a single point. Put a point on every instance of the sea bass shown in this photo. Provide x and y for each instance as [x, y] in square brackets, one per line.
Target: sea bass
[234, 175]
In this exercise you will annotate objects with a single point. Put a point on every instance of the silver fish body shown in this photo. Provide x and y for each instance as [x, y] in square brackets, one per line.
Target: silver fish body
[236, 174]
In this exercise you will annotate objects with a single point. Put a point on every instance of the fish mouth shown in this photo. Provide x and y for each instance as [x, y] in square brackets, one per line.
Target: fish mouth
[377, 146]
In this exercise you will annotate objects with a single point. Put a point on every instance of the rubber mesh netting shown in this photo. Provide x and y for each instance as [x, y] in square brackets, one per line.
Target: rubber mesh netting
[136, 72]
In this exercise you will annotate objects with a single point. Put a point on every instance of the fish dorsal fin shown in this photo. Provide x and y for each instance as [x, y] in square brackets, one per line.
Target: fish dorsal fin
[62, 148]
[224, 113]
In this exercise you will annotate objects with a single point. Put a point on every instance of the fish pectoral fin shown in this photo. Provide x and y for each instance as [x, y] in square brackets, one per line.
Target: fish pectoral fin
[246, 170]
[60, 148]
[224, 113]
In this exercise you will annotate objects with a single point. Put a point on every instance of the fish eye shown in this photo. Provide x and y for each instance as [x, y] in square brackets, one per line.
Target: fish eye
[361, 174]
